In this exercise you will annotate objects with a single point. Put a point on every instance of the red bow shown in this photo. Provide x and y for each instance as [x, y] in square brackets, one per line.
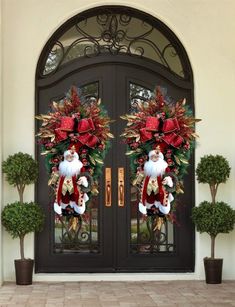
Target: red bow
[85, 128]
[169, 128]
[66, 126]
[152, 124]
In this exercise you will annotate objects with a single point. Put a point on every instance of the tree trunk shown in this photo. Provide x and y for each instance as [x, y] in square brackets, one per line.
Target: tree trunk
[20, 189]
[21, 198]
[212, 247]
[213, 192]
[21, 193]
[22, 247]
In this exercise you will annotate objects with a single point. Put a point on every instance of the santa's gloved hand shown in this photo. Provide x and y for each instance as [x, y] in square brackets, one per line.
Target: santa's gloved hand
[83, 181]
[142, 209]
[168, 181]
[57, 208]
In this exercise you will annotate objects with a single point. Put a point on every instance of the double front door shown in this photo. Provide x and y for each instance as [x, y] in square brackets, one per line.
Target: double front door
[113, 236]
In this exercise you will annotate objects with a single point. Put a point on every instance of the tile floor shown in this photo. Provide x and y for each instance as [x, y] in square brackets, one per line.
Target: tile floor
[96, 294]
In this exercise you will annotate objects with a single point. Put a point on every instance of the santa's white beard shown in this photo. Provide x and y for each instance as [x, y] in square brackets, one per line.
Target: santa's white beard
[155, 168]
[69, 169]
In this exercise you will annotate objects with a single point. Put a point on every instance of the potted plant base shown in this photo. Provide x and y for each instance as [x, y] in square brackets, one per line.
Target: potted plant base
[24, 271]
[213, 270]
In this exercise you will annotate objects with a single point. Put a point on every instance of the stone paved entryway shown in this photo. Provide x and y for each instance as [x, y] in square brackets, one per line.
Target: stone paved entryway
[95, 294]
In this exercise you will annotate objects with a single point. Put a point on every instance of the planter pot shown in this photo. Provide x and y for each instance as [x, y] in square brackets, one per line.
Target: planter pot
[24, 271]
[213, 270]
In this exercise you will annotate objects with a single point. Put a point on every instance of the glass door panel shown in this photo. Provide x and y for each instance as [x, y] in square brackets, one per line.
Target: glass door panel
[145, 238]
[74, 233]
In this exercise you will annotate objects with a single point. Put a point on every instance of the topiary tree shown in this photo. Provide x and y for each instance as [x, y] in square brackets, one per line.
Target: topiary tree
[20, 219]
[21, 170]
[213, 217]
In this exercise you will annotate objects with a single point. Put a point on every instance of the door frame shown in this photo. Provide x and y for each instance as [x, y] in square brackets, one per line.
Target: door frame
[78, 66]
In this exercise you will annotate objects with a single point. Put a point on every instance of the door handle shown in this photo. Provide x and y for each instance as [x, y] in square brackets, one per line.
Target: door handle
[121, 187]
[108, 187]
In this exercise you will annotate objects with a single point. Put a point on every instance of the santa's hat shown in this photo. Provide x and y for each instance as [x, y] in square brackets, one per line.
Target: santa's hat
[157, 153]
[71, 151]
[74, 147]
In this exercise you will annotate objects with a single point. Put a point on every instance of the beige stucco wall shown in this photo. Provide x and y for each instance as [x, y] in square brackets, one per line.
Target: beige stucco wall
[207, 31]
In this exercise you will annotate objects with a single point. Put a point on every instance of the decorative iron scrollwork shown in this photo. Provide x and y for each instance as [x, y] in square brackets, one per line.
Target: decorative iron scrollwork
[113, 33]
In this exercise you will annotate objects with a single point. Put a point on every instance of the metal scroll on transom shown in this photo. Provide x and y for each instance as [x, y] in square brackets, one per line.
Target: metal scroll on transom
[113, 33]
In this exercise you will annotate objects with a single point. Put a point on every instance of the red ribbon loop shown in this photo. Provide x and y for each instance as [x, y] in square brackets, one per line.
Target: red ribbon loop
[151, 125]
[170, 125]
[173, 139]
[66, 125]
[85, 126]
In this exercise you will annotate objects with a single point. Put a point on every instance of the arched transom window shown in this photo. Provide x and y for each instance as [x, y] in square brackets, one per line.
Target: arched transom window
[116, 31]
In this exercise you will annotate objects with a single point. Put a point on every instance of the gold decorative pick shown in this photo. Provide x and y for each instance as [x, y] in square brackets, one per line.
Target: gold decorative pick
[73, 223]
[159, 222]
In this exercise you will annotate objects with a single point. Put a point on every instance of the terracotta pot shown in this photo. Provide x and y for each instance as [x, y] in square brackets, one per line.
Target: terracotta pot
[24, 271]
[213, 270]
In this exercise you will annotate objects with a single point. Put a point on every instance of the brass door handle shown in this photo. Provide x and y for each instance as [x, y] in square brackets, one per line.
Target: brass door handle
[108, 187]
[121, 187]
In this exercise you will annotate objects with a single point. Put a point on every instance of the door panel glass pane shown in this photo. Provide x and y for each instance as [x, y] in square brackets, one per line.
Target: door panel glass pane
[75, 233]
[145, 238]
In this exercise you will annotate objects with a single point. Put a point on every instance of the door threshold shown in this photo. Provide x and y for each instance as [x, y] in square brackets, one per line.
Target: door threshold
[83, 277]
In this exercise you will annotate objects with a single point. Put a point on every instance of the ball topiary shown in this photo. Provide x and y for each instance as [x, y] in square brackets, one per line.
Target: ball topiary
[20, 219]
[213, 170]
[21, 170]
[213, 218]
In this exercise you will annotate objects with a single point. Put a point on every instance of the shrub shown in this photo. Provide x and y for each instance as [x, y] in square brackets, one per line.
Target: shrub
[21, 170]
[213, 218]
[20, 219]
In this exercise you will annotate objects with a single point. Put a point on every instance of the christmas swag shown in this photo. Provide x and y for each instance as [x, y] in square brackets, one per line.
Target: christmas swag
[160, 137]
[75, 136]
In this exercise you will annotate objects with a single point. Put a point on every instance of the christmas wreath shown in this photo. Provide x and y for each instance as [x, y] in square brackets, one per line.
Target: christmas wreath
[78, 123]
[160, 123]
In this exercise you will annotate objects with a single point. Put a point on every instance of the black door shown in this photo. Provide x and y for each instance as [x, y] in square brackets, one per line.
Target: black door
[114, 237]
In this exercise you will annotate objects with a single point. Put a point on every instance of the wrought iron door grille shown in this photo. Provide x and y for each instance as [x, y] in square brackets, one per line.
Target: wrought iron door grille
[114, 31]
[77, 234]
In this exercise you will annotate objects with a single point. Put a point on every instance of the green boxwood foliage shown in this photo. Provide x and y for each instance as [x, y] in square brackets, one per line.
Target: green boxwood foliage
[21, 170]
[213, 169]
[20, 219]
[213, 218]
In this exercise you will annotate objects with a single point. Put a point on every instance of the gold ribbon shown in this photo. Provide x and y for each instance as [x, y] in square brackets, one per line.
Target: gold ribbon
[152, 186]
[67, 186]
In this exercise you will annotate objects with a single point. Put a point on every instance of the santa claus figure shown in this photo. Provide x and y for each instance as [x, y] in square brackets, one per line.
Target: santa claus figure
[155, 198]
[69, 196]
